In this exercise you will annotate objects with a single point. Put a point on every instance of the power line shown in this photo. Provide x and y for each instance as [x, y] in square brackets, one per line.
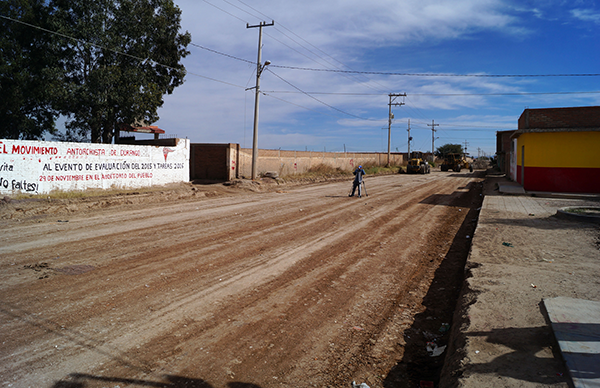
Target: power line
[439, 74]
[415, 109]
[319, 101]
[411, 94]
[299, 106]
[502, 94]
[424, 75]
[222, 10]
[282, 43]
[310, 44]
[81, 41]
[223, 54]
[442, 94]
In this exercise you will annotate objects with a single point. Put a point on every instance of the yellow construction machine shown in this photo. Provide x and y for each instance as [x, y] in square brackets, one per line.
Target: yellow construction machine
[456, 162]
[417, 164]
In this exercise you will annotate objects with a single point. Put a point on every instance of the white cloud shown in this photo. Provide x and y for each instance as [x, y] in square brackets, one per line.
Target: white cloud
[365, 35]
[586, 15]
[348, 23]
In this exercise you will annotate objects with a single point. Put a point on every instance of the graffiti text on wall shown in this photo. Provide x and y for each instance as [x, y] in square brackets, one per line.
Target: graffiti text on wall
[40, 167]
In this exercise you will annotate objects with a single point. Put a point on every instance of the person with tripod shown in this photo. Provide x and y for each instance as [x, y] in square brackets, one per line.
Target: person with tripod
[358, 180]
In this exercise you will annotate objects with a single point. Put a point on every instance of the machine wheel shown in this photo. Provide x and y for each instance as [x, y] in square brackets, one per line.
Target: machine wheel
[456, 169]
[471, 168]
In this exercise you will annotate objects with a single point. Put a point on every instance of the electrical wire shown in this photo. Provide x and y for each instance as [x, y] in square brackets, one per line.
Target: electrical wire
[81, 41]
[299, 106]
[266, 33]
[290, 38]
[415, 109]
[319, 101]
[223, 54]
[385, 93]
[310, 94]
[439, 74]
[502, 94]
[444, 94]
[222, 10]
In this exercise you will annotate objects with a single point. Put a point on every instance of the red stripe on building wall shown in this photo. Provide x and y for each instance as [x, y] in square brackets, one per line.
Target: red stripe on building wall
[561, 179]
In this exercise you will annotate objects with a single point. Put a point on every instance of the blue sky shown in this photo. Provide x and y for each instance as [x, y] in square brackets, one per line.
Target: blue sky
[337, 110]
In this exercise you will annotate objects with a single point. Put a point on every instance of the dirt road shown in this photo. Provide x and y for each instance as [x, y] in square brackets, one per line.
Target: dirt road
[298, 287]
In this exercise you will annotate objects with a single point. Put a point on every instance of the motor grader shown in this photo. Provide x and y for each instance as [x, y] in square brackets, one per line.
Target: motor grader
[456, 162]
[417, 164]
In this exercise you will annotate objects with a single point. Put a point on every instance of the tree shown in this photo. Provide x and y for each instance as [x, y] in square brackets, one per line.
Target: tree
[121, 58]
[446, 149]
[29, 72]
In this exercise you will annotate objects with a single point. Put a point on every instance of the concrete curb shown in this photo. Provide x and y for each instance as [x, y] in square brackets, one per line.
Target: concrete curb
[564, 213]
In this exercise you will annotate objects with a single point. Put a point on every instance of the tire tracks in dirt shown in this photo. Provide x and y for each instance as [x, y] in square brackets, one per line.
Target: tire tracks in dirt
[201, 291]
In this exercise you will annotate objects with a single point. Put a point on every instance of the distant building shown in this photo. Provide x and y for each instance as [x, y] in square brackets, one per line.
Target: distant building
[557, 149]
[503, 140]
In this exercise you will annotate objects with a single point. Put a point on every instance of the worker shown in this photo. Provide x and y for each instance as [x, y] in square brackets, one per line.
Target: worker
[358, 178]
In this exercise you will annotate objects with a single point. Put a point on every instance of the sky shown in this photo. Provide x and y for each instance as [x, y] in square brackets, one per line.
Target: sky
[334, 64]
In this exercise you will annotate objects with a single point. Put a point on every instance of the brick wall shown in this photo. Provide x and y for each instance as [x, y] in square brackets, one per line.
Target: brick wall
[212, 162]
[577, 117]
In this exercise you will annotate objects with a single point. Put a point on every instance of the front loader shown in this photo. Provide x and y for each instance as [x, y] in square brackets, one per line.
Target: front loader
[417, 165]
[456, 162]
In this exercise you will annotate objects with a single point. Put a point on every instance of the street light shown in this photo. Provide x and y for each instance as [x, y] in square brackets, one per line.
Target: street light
[259, 70]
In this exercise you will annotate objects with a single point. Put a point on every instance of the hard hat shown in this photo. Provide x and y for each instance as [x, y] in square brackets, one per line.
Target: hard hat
[359, 166]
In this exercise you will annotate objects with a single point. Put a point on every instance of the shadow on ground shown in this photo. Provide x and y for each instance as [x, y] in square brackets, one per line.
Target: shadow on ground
[81, 380]
[418, 367]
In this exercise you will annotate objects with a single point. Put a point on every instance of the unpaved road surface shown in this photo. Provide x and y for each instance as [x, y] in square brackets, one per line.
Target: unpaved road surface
[289, 287]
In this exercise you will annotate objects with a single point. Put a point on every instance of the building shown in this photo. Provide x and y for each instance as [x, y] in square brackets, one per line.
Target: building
[503, 142]
[557, 150]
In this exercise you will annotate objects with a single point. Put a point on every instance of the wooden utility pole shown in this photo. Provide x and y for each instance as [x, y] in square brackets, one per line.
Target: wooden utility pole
[390, 117]
[433, 125]
[259, 68]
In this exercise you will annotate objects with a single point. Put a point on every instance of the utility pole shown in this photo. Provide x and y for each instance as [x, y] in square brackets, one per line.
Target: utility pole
[391, 116]
[409, 139]
[259, 69]
[466, 144]
[432, 125]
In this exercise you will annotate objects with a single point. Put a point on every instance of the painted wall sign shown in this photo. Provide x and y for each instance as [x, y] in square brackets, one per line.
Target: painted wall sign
[39, 167]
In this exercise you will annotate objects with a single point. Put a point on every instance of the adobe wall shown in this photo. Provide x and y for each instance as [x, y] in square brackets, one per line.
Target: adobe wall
[297, 162]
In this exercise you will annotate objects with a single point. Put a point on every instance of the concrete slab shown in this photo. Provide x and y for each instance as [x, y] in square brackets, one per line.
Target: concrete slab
[500, 333]
[510, 188]
[576, 326]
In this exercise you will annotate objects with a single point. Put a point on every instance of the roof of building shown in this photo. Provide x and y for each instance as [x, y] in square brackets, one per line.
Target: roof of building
[141, 129]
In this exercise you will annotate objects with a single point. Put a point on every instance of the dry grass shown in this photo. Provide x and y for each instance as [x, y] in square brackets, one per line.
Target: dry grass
[323, 172]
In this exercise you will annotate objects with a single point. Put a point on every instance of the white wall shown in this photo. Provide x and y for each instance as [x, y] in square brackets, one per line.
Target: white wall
[39, 167]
